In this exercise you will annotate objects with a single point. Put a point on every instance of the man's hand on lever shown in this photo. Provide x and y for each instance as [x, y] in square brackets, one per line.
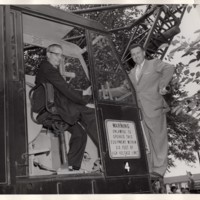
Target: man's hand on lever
[90, 105]
[88, 91]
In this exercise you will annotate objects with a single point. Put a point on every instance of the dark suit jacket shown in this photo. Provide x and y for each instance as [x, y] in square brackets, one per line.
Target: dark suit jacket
[67, 101]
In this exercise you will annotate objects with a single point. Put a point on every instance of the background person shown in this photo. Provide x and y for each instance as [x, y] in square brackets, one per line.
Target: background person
[173, 190]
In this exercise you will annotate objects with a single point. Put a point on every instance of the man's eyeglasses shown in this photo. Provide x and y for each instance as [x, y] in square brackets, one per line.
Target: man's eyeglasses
[57, 54]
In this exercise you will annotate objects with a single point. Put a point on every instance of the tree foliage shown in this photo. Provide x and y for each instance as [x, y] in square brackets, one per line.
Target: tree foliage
[183, 138]
[111, 19]
[184, 75]
[183, 128]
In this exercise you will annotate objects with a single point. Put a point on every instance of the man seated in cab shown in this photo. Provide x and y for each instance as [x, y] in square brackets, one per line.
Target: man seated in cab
[72, 106]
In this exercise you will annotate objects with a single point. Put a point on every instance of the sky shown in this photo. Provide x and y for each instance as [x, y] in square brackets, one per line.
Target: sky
[190, 23]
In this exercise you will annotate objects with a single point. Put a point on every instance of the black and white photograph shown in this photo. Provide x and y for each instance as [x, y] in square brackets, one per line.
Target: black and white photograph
[100, 99]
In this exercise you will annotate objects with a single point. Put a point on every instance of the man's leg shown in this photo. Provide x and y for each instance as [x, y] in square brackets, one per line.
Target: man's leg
[158, 139]
[149, 153]
[77, 146]
[88, 120]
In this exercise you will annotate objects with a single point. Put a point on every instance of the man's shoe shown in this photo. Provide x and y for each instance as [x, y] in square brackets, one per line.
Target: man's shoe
[97, 167]
[73, 168]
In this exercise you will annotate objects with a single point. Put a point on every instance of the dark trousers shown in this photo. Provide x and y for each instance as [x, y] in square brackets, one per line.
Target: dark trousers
[77, 145]
[79, 131]
[88, 120]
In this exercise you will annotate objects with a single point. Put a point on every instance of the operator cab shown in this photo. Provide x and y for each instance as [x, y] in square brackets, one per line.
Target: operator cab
[90, 59]
[42, 143]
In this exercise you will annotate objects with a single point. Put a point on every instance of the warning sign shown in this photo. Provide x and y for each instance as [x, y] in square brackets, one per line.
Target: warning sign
[122, 139]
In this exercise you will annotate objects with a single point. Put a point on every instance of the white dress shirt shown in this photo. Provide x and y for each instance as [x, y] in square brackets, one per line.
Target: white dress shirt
[138, 70]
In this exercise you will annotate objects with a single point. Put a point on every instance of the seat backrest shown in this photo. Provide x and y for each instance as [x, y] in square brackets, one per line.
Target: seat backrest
[42, 97]
[42, 103]
[33, 128]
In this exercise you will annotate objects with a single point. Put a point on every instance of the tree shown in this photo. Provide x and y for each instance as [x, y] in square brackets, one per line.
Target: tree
[184, 131]
[184, 137]
[183, 74]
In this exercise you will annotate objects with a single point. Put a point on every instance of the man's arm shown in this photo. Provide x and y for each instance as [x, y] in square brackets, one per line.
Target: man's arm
[115, 92]
[54, 77]
[166, 71]
[119, 91]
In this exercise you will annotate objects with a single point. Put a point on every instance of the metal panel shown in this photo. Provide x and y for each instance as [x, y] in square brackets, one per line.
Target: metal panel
[42, 187]
[85, 185]
[44, 28]
[124, 165]
[60, 16]
[17, 109]
[76, 187]
[58, 184]
[3, 152]
[136, 185]
[15, 97]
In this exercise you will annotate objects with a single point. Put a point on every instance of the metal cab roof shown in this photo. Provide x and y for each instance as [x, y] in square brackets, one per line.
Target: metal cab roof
[61, 16]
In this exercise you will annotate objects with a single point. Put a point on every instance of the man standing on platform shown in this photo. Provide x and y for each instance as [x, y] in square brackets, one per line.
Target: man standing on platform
[150, 78]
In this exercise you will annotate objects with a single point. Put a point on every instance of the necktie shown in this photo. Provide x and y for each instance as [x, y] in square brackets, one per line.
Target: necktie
[138, 71]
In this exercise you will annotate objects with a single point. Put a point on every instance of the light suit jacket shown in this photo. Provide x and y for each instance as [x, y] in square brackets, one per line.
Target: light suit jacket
[155, 75]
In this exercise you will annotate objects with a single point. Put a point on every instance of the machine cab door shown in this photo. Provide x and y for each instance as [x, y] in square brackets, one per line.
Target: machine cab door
[4, 167]
[43, 147]
[121, 137]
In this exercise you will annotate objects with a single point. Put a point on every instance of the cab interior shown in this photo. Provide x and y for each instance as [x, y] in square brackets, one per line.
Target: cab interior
[38, 33]
[43, 145]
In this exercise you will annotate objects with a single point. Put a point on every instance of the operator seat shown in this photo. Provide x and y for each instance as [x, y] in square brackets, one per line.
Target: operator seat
[42, 102]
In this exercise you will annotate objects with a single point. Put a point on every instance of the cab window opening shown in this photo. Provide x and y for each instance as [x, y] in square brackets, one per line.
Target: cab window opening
[109, 73]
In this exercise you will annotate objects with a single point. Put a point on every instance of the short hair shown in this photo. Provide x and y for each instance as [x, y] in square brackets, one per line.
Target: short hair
[173, 188]
[135, 45]
[52, 46]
